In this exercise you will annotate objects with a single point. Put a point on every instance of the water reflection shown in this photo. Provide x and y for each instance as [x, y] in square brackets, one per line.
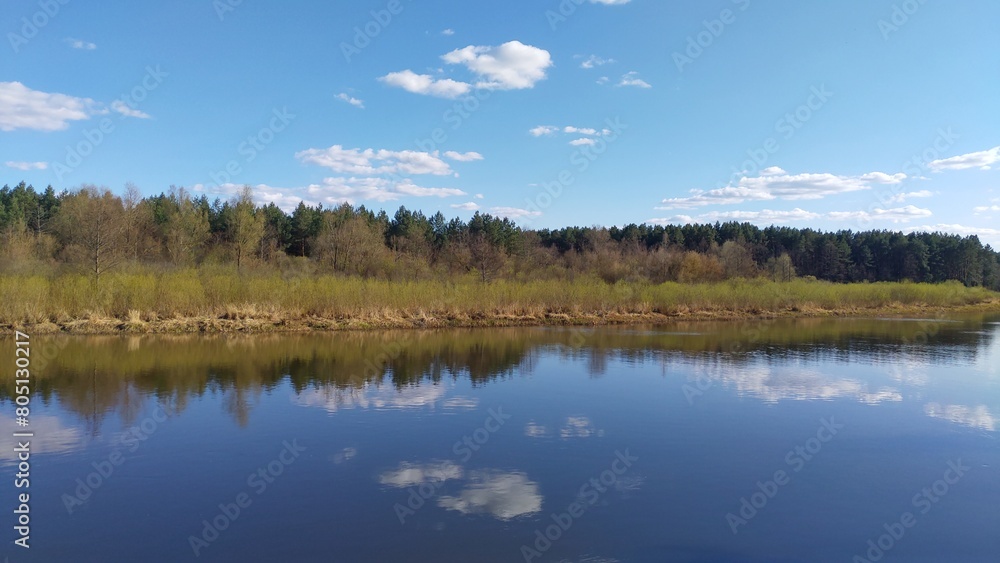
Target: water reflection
[772, 382]
[94, 377]
[501, 495]
[52, 436]
[414, 475]
[973, 417]
[333, 399]
[379, 415]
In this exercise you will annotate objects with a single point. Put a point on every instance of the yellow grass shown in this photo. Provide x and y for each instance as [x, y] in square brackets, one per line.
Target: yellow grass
[144, 299]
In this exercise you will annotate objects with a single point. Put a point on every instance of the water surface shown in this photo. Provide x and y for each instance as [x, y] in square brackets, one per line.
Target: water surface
[767, 441]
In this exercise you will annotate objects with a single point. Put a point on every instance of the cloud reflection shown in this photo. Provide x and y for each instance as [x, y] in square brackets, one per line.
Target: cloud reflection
[533, 430]
[501, 495]
[973, 417]
[50, 437]
[579, 427]
[333, 399]
[410, 475]
[773, 383]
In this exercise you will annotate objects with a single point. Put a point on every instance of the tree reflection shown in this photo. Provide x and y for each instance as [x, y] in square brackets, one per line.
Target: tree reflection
[97, 376]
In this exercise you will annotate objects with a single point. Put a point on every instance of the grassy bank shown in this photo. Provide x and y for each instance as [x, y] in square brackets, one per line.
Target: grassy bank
[219, 301]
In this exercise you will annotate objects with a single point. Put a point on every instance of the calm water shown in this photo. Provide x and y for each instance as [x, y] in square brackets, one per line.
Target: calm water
[782, 441]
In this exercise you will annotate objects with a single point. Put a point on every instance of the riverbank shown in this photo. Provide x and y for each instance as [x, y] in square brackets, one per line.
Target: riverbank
[177, 303]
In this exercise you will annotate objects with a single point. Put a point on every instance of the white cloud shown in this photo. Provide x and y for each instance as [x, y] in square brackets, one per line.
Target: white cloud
[977, 210]
[772, 171]
[448, 31]
[351, 100]
[411, 475]
[79, 44]
[776, 184]
[676, 219]
[467, 206]
[896, 215]
[595, 61]
[352, 190]
[502, 495]
[333, 191]
[903, 196]
[543, 130]
[610, 2]
[128, 111]
[511, 66]
[765, 215]
[514, 212]
[478, 196]
[632, 79]
[371, 162]
[603, 80]
[263, 194]
[883, 178]
[982, 160]
[425, 84]
[987, 234]
[24, 108]
[548, 130]
[26, 165]
[463, 157]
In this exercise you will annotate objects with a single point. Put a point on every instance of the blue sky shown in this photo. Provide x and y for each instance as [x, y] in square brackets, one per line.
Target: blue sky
[857, 114]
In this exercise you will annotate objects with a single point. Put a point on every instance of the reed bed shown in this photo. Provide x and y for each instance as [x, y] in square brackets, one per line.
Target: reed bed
[135, 298]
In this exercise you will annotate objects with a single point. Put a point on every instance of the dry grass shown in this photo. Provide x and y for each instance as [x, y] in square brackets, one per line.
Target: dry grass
[218, 300]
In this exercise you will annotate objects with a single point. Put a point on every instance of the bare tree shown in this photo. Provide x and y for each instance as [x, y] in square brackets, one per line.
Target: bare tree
[245, 225]
[737, 260]
[91, 226]
[350, 244]
[186, 230]
[781, 268]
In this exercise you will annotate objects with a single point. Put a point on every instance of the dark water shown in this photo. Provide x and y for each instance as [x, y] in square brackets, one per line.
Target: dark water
[774, 441]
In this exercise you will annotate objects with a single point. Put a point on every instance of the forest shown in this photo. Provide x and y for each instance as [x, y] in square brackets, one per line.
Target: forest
[93, 231]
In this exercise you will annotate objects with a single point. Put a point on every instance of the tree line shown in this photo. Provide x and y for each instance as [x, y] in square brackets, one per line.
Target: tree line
[95, 230]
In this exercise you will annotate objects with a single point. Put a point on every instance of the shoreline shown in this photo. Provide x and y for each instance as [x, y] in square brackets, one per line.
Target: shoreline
[270, 323]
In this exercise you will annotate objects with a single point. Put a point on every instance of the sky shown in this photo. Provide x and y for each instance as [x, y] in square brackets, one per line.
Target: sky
[860, 114]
